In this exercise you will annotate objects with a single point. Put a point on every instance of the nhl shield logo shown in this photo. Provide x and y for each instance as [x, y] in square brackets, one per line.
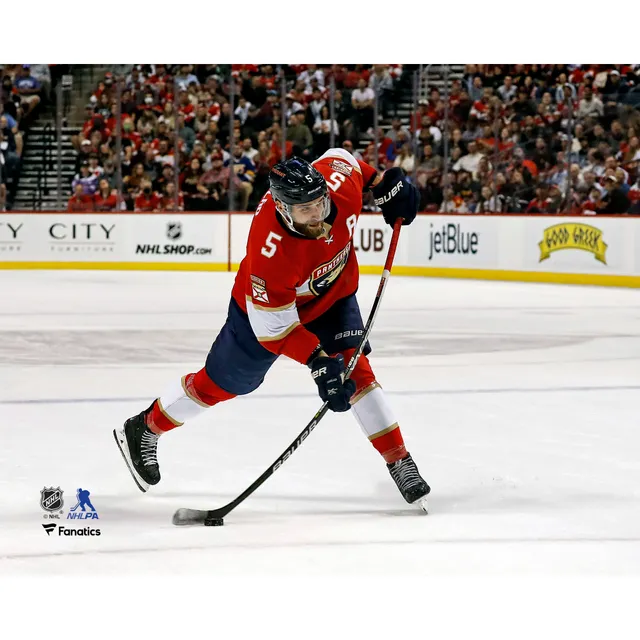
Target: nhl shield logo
[174, 230]
[51, 499]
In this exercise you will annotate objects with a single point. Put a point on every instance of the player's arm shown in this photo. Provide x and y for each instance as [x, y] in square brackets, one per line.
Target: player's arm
[278, 329]
[271, 299]
[393, 193]
[370, 176]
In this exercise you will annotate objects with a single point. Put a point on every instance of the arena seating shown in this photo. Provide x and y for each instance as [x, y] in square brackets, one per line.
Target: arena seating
[516, 139]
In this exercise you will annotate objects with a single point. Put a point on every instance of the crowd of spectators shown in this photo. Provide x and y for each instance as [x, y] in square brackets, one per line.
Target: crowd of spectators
[529, 139]
[510, 138]
[23, 89]
[177, 129]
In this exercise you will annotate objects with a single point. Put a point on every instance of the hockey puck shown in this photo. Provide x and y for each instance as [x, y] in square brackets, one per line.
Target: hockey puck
[213, 522]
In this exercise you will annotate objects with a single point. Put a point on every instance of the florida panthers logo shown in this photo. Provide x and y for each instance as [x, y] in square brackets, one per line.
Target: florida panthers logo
[326, 274]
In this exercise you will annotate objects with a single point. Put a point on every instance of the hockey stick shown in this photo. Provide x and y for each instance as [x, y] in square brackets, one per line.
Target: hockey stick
[214, 517]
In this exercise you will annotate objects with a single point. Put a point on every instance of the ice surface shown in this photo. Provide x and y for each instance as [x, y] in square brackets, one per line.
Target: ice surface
[519, 403]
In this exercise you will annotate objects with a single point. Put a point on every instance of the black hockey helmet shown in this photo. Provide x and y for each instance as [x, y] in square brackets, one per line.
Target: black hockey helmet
[295, 181]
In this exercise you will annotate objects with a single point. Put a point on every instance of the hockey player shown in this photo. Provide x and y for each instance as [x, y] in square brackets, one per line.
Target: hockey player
[294, 295]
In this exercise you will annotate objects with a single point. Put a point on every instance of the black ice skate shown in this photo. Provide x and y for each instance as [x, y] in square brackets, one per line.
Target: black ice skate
[412, 486]
[138, 446]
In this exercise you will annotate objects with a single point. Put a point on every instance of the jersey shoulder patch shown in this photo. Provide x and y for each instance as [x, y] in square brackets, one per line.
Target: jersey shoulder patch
[342, 157]
[259, 289]
[341, 167]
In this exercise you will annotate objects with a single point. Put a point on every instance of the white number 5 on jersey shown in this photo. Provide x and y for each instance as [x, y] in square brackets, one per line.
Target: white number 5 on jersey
[335, 180]
[269, 247]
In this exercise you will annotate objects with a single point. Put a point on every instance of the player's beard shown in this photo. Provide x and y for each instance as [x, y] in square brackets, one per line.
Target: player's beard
[308, 231]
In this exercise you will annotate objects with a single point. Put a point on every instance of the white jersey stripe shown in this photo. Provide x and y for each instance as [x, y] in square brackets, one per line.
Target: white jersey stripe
[270, 325]
[303, 289]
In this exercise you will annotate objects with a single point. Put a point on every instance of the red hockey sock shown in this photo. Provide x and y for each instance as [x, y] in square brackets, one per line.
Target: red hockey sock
[195, 393]
[362, 374]
[390, 445]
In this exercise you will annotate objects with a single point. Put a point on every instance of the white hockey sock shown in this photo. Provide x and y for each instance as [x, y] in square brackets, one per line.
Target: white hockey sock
[178, 405]
[373, 413]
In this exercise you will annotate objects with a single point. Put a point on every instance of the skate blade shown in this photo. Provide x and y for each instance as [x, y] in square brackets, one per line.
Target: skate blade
[121, 441]
[422, 504]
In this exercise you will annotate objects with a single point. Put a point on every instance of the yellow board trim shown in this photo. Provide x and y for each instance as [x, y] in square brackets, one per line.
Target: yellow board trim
[593, 279]
[511, 276]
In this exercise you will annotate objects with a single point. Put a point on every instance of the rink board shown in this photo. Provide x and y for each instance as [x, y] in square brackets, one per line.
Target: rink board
[573, 250]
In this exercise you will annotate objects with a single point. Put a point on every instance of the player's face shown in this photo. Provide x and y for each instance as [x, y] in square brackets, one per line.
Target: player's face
[308, 217]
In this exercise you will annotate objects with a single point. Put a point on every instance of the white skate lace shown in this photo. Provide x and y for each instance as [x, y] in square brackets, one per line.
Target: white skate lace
[405, 473]
[149, 448]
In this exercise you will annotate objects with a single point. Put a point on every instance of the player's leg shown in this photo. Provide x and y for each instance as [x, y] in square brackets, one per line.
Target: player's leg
[340, 330]
[236, 365]
[378, 422]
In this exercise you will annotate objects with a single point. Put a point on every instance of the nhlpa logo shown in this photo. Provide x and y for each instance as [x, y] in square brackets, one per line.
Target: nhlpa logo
[174, 230]
[51, 499]
[83, 502]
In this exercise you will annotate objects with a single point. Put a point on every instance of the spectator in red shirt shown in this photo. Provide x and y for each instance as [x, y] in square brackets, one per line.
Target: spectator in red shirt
[104, 199]
[130, 136]
[480, 107]
[168, 200]
[147, 200]
[540, 204]
[355, 75]
[79, 202]
[416, 118]
[339, 74]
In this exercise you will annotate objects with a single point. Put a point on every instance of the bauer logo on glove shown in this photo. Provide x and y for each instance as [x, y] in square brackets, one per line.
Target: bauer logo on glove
[388, 196]
[397, 197]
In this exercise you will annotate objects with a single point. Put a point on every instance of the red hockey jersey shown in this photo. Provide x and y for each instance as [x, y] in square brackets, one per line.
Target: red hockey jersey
[286, 280]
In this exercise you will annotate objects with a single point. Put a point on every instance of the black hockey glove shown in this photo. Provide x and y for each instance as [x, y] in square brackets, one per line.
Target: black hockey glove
[397, 197]
[326, 373]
